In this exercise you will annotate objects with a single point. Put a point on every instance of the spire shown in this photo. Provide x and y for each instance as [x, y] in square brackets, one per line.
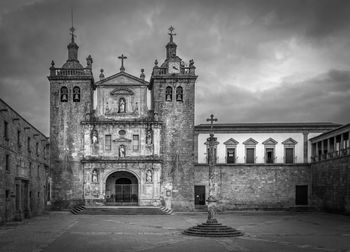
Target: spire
[72, 61]
[171, 46]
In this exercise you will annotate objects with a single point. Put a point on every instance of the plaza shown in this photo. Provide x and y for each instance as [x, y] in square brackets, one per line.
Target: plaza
[263, 231]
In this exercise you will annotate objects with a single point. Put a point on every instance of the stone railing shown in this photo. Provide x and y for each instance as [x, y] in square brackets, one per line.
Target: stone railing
[164, 70]
[331, 155]
[70, 72]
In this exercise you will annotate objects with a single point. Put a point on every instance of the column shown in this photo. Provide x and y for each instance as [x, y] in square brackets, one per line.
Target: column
[306, 146]
[328, 148]
[341, 147]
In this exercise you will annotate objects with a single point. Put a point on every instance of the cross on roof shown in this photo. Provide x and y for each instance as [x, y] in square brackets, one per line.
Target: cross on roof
[171, 29]
[122, 57]
[212, 120]
[72, 29]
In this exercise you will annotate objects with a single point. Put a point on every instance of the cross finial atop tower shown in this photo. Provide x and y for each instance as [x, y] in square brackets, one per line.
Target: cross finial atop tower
[171, 29]
[122, 57]
[212, 120]
[72, 29]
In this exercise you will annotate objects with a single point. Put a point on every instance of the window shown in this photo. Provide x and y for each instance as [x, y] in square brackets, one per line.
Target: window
[7, 192]
[289, 146]
[37, 149]
[76, 94]
[28, 144]
[64, 94]
[30, 168]
[169, 94]
[38, 171]
[250, 155]
[269, 155]
[289, 155]
[7, 162]
[108, 142]
[230, 155]
[250, 150]
[6, 128]
[135, 142]
[19, 138]
[179, 94]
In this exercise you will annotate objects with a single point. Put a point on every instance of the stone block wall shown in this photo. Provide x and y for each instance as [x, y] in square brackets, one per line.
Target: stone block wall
[24, 167]
[256, 186]
[331, 184]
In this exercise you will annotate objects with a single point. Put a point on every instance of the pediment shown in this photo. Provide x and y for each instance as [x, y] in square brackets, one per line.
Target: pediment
[270, 141]
[121, 91]
[250, 141]
[289, 141]
[122, 79]
[231, 141]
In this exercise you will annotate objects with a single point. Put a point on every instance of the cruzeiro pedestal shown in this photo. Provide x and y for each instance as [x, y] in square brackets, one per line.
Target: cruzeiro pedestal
[212, 228]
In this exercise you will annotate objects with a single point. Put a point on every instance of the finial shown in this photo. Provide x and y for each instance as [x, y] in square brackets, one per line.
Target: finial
[122, 57]
[142, 75]
[72, 29]
[89, 61]
[171, 29]
[102, 76]
[156, 62]
[52, 63]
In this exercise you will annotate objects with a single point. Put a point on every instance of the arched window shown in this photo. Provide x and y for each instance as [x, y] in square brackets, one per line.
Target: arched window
[179, 94]
[64, 94]
[168, 94]
[76, 94]
[122, 105]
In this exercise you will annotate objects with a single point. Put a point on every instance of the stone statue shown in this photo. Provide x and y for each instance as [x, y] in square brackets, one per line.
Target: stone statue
[121, 105]
[149, 176]
[136, 110]
[149, 137]
[94, 137]
[122, 151]
[94, 176]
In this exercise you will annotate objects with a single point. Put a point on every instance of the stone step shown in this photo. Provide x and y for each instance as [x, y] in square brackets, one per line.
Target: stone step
[115, 210]
[212, 230]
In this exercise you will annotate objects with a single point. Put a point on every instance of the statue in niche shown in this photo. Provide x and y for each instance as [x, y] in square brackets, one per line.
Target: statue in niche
[94, 136]
[121, 105]
[94, 177]
[149, 176]
[107, 110]
[136, 110]
[121, 151]
[149, 136]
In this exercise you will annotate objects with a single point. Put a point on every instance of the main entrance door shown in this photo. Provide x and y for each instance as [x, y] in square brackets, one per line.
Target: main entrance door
[122, 189]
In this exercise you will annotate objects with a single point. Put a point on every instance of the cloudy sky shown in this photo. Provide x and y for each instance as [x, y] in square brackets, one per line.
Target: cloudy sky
[257, 61]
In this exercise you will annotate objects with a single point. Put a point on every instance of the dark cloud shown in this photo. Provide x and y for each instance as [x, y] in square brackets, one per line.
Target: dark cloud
[244, 52]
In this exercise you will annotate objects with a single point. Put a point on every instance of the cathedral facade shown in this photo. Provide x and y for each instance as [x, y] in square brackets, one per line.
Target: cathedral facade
[109, 148]
[120, 152]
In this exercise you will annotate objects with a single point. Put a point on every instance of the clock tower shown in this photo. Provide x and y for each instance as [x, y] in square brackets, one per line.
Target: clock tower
[172, 88]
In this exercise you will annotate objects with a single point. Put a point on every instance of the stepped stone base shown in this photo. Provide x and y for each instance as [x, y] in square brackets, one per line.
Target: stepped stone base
[212, 229]
[121, 210]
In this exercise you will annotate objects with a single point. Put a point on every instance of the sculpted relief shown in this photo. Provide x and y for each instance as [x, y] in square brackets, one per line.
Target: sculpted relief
[121, 102]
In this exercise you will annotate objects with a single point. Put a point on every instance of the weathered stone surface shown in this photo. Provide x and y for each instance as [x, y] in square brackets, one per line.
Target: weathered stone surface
[331, 184]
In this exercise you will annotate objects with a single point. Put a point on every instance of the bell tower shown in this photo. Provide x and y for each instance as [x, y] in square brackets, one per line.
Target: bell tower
[71, 92]
[172, 88]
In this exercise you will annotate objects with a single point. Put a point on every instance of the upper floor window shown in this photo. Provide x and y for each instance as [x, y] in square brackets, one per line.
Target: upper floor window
[179, 94]
[6, 130]
[76, 94]
[269, 150]
[231, 151]
[250, 150]
[28, 144]
[108, 142]
[64, 94]
[7, 162]
[289, 150]
[168, 94]
[37, 149]
[135, 142]
[19, 138]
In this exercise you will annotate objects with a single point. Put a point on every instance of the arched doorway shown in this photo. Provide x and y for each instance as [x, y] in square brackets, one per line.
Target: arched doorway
[122, 189]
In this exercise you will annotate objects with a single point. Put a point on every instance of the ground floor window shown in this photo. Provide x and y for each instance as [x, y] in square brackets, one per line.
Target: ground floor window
[289, 155]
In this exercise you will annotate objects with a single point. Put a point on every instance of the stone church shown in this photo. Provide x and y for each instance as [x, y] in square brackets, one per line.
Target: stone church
[108, 148]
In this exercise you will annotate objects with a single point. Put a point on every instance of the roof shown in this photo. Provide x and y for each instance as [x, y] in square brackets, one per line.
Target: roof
[341, 129]
[267, 127]
[116, 79]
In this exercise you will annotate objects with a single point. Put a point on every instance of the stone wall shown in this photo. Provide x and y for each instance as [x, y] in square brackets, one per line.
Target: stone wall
[256, 186]
[24, 167]
[331, 184]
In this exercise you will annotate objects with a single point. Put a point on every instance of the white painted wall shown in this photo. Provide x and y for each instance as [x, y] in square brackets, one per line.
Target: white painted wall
[260, 148]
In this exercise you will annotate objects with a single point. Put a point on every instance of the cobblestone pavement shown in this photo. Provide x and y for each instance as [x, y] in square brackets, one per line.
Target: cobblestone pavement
[264, 231]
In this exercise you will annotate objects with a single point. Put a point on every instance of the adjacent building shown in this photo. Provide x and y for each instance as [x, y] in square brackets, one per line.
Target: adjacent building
[24, 167]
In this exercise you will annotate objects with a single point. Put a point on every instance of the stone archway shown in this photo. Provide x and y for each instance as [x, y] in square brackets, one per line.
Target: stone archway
[122, 188]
